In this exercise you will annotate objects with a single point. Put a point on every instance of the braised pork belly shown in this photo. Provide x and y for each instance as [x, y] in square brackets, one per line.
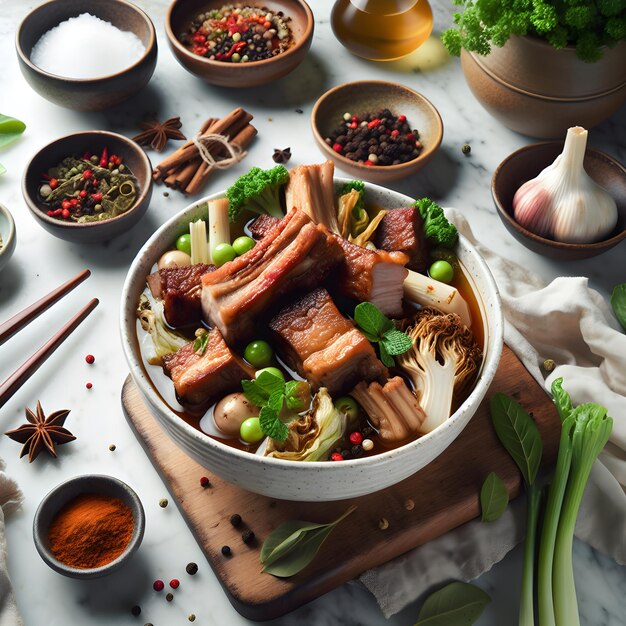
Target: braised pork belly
[202, 379]
[402, 230]
[317, 341]
[262, 225]
[373, 276]
[180, 289]
[296, 255]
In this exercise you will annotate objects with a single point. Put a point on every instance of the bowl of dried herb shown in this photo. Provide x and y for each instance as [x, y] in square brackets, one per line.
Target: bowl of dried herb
[89, 526]
[89, 186]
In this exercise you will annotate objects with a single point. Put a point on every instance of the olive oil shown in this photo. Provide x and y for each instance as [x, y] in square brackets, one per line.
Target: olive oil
[382, 30]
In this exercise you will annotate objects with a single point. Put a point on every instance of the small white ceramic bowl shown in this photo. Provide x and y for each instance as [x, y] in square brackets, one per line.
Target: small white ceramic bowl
[8, 236]
[315, 481]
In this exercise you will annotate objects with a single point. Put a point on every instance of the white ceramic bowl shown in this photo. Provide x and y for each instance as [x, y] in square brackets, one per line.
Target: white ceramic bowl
[316, 481]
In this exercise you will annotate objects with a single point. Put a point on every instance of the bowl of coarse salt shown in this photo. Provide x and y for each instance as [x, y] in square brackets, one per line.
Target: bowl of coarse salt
[87, 55]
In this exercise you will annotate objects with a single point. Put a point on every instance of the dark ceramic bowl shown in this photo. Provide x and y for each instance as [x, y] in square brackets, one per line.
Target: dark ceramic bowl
[182, 12]
[370, 95]
[7, 235]
[91, 94]
[525, 164]
[61, 495]
[94, 141]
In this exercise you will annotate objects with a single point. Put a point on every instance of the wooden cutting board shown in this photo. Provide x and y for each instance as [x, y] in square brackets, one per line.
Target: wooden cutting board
[440, 497]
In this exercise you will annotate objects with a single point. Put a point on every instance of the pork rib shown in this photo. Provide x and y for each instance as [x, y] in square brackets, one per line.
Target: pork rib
[202, 379]
[295, 255]
[402, 230]
[316, 340]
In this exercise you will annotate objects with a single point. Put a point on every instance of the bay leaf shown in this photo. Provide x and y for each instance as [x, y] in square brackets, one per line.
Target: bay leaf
[284, 539]
[518, 433]
[494, 498]
[618, 303]
[456, 604]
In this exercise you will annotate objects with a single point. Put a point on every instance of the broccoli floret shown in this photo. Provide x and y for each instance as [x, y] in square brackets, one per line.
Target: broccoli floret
[438, 230]
[257, 191]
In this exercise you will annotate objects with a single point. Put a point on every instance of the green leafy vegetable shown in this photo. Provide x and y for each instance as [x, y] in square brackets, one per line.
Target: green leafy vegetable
[494, 498]
[271, 393]
[561, 399]
[10, 130]
[294, 544]
[518, 433]
[586, 24]
[257, 191]
[438, 230]
[456, 604]
[618, 302]
[199, 344]
[2, 169]
[380, 329]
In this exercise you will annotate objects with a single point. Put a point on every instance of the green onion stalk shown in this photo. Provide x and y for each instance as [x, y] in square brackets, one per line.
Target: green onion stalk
[526, 613]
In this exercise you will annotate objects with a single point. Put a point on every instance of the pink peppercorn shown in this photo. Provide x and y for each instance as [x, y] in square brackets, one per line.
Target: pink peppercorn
[89, 385]
[336, 456]
[337, 147]
[204, 482]
[174, 583]
[90, 358]
[356, 438]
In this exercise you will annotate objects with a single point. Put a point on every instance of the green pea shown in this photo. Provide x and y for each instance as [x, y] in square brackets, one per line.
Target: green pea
[223, 253]
[258, 353]
[250, 430]
[243, 244]
[441, 271]
[270, 370]
[347, 406]
[183, 243]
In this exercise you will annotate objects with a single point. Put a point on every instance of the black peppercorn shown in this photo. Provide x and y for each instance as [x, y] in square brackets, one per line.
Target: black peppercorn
[235, 520]
[226, 551]
[191, 569]
[248, 537]
[136, 610]
[169, 597]
[466, 149]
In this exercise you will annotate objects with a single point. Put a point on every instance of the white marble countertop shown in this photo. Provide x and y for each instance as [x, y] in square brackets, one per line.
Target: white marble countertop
[41, 262]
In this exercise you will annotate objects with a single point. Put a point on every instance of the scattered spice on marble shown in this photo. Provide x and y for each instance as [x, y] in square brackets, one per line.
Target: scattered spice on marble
[41, 432]
[383, 523]
[191, 617]
[235, 520]
[112, 447]
[136, 610]
[91, 530]
[90, 359]
[549, 365]
[238, 33]
[248, 537]
[158, 585]
[86, 46]
[466, 149]
[148, 624]
[89, 188]
[226, 551]
[169, 597]
[174, 583]
[299, 111]
[192, 568]
[156, 134]
[88, 385]
[205, 482]
[166, 194]
[281, 156]
[163, 502]
[375, 138]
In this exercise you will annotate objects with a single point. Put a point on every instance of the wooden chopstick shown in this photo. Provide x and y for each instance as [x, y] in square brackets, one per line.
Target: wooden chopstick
[31, 365]
[21, 319]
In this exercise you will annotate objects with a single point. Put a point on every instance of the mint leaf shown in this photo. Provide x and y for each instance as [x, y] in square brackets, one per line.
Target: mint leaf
[370, 319]
[385, 357]
[271, 424]
[275, 401]
[269, 383]
[396, 342]
[254, 393]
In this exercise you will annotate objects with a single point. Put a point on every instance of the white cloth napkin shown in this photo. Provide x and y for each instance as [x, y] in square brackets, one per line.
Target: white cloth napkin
[10, 500]
[572, 324]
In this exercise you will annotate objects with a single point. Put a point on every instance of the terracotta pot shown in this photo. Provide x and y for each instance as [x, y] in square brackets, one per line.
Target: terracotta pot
[537, 90]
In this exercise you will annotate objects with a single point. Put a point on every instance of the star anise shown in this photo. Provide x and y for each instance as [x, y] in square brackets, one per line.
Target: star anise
[41, 432]
[281, 156]
[156, 134]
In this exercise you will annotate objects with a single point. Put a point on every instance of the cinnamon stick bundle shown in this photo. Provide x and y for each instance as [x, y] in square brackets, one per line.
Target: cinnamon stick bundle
[186, 170]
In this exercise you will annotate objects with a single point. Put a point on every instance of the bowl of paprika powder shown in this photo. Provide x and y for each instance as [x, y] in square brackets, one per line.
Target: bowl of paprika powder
[89, 526]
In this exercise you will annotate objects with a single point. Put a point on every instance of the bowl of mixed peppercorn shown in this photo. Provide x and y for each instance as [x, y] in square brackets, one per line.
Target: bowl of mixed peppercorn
[241, 44]
[376, 130]
[89, 186]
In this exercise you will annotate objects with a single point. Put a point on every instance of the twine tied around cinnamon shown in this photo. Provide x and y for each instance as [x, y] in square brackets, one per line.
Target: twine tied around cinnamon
[234, 152]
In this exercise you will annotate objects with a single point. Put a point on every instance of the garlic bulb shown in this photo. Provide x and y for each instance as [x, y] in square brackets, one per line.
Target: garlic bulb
[563, 202]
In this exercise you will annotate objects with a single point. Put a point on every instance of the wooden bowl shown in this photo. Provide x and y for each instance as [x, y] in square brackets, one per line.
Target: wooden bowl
[91, 94]
[182, 12]
[67, 491]
[94, 141]
[525, 164]
[7, 235]
[363, 96]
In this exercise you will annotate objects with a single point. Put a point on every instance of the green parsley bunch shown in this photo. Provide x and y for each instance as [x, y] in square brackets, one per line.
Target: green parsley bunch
[589, 25]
